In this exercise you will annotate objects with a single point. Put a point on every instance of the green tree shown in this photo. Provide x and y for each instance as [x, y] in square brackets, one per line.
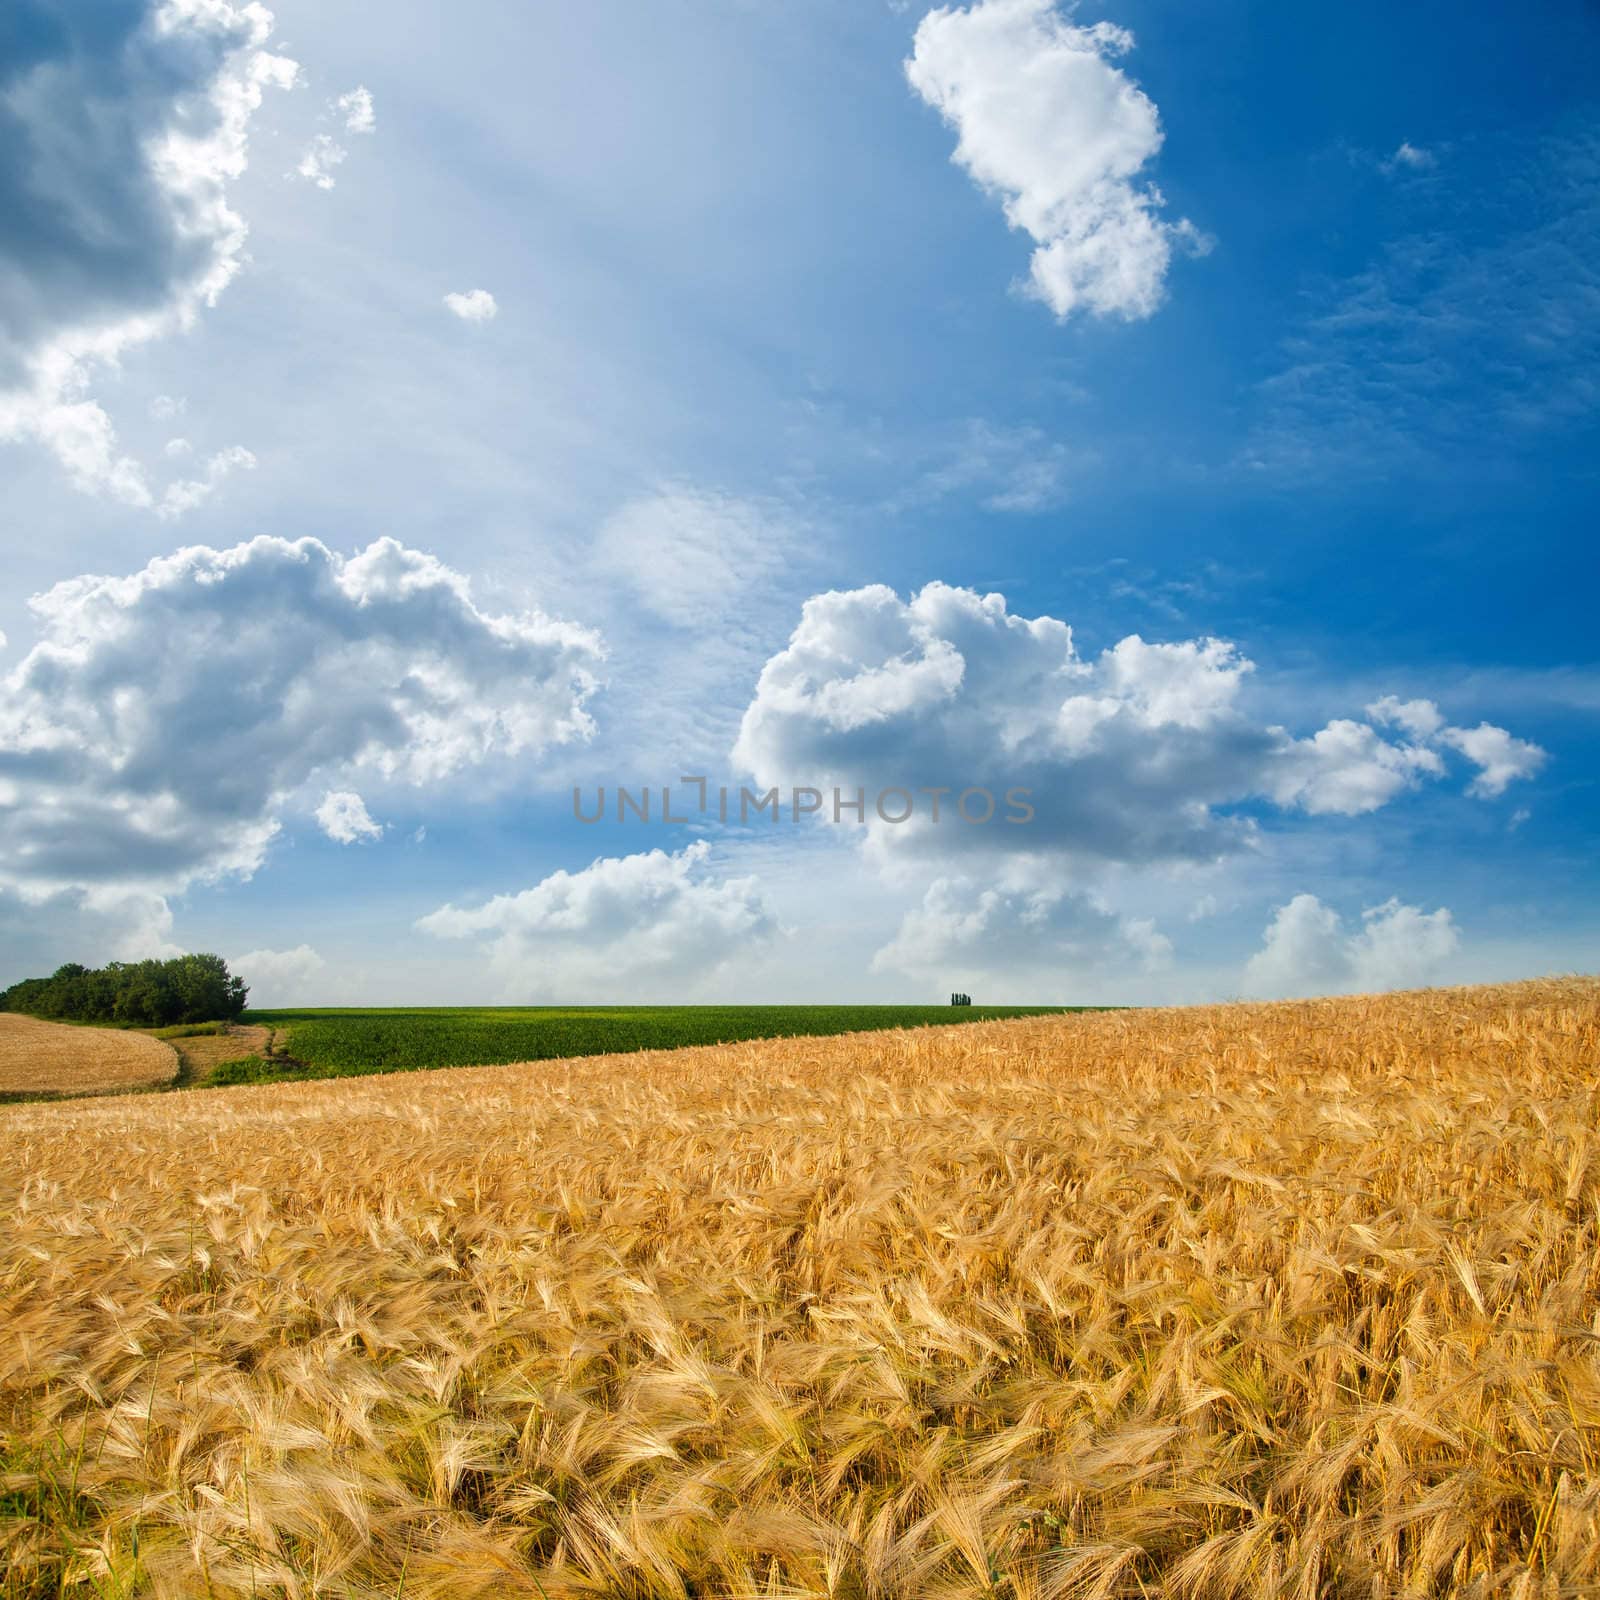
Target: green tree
[140, 994]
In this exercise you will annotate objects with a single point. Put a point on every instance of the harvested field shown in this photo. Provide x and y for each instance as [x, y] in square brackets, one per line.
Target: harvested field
[54, 1058]
[1281, 1300]
[201, 1053]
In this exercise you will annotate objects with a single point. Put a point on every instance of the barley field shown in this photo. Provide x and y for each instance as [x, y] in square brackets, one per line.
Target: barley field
[49, 1058]
[1288, 1300]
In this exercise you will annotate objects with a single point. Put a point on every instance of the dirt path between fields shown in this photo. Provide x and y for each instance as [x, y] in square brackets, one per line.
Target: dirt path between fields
[207, 1050]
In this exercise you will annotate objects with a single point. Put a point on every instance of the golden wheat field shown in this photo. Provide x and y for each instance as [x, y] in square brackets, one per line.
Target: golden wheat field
[55, 1058]
[1276, 1300]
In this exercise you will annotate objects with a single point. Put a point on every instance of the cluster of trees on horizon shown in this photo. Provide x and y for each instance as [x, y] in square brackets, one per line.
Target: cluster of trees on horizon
[141, 994]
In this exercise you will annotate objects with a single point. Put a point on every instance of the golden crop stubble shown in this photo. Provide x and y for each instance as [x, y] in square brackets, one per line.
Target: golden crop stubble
[1248, 1300]
[55, 1058]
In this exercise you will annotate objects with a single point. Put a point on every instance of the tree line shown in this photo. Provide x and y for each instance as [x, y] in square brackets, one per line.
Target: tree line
[141, 994]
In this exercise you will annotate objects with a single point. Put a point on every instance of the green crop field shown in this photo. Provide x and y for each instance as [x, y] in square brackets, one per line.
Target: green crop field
[339, 1044]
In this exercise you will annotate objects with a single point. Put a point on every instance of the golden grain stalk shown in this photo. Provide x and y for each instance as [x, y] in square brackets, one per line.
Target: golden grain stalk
[1268, 1301]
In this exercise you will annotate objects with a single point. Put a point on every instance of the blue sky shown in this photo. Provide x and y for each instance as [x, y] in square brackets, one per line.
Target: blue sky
[812, 328]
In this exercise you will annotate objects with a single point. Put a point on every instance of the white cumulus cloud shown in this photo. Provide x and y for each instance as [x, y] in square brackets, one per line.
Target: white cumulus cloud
[1501, 759]
[1049, 123]
[123, 132]
[40, 929]
[357, 110]
[1348, 768]
[280, 977]
[1419, 718]
[342, 815]
[476, 305]
[1308, 950]
[641, 926]
[1139, 755]
[156, 731]
[1016, 942]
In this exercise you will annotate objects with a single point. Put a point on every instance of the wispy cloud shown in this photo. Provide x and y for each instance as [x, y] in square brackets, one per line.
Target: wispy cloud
[705, 581]
[1001, 468]
[322, 155]
[1477, 337]
[1408, 157]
